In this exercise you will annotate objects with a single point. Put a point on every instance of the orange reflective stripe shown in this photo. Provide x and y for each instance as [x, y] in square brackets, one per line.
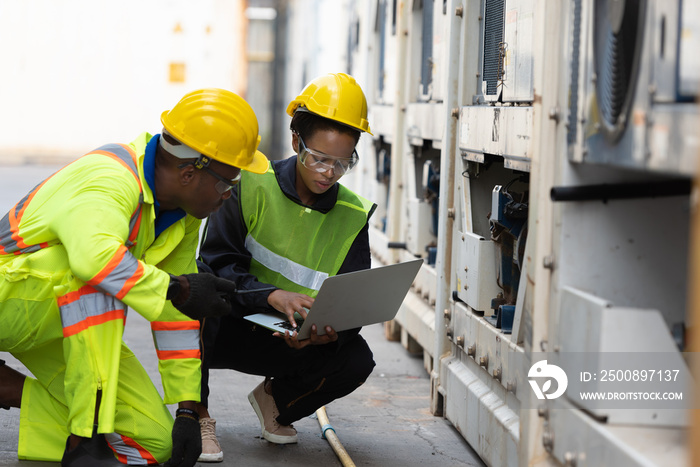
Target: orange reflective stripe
[178, 354]
[129, 451]
[111, 265]
[175, 325]
[176, 339]
[120, 274]
[70, 297]
[9, 226]
[88, 307]
[130, 282]
[135, 225]
[94, 321]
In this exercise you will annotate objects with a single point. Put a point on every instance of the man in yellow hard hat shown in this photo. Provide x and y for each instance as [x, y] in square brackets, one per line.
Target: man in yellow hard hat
[118, 228]
[280, 234]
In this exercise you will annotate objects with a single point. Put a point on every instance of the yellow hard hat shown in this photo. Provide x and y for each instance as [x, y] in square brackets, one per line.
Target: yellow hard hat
[219, 124]
[335, 96]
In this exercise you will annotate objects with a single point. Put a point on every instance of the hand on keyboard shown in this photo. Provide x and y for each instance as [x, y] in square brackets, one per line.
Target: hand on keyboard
[288, 326]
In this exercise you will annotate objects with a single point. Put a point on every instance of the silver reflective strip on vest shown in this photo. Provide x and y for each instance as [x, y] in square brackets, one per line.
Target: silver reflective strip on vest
[114, 282]
[88, 306]
[122, 154]
[6, 240]
[132, 222]
[301, 275]
[177, 340]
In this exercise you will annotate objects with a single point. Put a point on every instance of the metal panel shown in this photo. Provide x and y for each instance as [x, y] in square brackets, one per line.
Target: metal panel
[502, 131]
[602, 328]
[673, 139]
[381, 118]
[418, 235]
[689, 65]
[386, 57]
[618, 249]
[580, 440]
[517, 82]
[490, 427]
[476, 271]
[477, 403]
[440, 60]
[424, 122]
[417, 318]
[664, 22]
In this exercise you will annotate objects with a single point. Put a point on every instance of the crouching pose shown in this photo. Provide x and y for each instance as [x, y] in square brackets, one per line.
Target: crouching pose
[119, 228]
[286, 230]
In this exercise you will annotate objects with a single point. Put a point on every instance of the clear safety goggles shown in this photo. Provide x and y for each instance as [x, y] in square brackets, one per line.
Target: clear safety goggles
[320, 162]
[224, 184]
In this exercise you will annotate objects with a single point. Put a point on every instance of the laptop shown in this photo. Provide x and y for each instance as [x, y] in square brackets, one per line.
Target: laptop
[352, 300]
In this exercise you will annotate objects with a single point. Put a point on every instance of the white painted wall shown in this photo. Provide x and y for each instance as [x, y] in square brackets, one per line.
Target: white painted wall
[77, 74]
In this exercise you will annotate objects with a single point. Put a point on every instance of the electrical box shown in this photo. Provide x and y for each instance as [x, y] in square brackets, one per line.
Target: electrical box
[476, 273]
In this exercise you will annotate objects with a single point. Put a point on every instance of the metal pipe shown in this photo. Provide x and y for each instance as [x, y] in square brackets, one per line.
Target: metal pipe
[608, 191]
[328, 432]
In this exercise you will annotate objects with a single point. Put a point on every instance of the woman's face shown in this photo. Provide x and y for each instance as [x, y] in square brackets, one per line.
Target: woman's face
[311, 183]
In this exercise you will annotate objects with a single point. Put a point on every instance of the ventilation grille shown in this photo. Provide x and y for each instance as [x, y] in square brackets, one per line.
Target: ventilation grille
[575, 57]
[426, 72]
[493, 40]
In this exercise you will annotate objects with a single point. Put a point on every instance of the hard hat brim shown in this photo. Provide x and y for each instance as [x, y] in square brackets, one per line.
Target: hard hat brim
[259, 164]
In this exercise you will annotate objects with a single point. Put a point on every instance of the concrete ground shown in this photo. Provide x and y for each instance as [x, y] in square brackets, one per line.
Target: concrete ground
[386, 422]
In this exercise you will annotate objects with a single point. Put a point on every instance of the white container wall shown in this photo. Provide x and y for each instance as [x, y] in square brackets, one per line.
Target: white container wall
[546, 191]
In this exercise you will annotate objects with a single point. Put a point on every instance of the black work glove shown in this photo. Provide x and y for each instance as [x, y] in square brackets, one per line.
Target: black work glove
[208, 296]
[187, 442]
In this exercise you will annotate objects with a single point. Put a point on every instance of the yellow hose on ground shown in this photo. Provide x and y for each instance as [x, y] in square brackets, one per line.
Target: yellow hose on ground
[328, 432]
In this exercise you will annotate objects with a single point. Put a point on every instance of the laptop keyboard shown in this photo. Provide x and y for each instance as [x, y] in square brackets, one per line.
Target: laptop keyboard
[288, 326]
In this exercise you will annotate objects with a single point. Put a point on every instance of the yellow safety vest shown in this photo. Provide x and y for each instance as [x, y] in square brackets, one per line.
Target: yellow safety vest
[295, 247]
[89, 231]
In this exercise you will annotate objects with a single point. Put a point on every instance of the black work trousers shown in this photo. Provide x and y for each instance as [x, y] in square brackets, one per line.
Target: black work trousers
[303, 380]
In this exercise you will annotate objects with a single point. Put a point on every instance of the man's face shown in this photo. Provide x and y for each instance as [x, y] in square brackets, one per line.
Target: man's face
[211, 189]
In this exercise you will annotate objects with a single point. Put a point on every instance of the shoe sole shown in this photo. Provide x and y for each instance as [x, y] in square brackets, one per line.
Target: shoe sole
[277, 439]
[218, 457]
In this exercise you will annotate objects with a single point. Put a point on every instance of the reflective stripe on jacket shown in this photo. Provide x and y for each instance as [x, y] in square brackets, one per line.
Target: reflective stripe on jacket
[295, 247]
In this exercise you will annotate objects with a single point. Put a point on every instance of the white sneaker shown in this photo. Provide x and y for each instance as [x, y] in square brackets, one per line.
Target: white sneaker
[211, 449]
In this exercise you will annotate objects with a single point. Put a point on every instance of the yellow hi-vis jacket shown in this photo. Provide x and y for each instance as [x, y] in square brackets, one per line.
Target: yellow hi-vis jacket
[295, 247]
[88, 231]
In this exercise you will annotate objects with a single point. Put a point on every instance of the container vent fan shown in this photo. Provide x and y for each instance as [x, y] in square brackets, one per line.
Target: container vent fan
[618, 32]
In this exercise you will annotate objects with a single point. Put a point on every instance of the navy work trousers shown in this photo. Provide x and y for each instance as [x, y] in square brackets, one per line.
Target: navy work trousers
[302, 380]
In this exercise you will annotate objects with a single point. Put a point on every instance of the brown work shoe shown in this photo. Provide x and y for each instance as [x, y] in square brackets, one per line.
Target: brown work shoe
[264, 405]
[211, 449]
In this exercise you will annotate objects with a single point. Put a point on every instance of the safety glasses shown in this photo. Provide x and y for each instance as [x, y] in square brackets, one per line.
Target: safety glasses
[224, 184]
[320, 162]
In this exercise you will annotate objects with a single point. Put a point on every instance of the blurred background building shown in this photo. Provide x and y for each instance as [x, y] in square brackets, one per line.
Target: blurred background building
[77, 74]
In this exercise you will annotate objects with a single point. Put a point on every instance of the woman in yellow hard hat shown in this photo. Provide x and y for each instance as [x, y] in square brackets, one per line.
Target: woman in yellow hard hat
[280, 234]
